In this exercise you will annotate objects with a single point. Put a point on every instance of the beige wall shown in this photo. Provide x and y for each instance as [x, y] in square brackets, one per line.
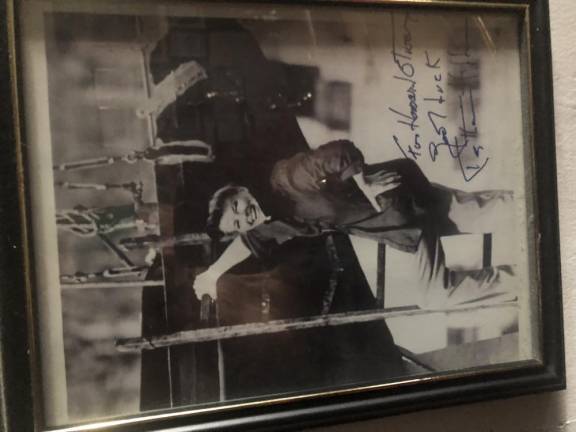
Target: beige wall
[548, 412]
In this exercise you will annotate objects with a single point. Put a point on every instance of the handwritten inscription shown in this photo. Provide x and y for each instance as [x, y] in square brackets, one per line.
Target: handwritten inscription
[451, 79]
[402, 54]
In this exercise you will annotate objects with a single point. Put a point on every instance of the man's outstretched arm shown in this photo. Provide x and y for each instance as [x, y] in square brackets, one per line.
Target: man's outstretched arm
[235, 253]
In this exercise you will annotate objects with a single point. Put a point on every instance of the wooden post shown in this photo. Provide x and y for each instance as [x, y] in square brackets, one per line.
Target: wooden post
[278, 326]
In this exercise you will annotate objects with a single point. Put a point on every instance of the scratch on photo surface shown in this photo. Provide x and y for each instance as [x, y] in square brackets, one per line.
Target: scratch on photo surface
[312, 31]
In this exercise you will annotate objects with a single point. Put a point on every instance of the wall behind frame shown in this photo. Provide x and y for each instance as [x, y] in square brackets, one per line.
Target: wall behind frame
[552, 412]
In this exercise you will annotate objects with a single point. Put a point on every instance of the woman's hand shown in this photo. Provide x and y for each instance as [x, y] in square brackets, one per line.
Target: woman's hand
[205, 284]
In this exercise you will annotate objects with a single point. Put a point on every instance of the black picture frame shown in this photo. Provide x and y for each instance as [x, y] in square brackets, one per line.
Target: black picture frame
[20, 392]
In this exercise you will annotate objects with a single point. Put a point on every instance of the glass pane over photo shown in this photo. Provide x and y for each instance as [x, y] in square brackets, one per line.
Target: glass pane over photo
[234, 203]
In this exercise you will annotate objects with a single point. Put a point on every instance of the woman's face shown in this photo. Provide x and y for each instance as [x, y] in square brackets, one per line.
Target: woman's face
[241, 213]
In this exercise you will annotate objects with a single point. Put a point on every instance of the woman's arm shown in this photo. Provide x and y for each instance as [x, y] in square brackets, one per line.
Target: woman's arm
[235, 253]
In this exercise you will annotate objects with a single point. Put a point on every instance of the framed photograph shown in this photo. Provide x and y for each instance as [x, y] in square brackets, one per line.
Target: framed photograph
[222, 215]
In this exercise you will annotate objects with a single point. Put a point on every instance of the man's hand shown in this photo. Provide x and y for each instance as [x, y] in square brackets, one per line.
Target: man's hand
[382, 181]
[375, 184]
[205, 283]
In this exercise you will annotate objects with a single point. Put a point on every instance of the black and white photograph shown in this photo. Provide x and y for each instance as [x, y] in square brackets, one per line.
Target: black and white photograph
[235, 203]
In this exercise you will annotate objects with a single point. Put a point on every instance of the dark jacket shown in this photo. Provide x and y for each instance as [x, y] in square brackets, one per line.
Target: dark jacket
[317, 194]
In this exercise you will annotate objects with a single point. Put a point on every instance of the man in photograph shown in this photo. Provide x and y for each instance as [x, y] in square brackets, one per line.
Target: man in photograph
[332, 189]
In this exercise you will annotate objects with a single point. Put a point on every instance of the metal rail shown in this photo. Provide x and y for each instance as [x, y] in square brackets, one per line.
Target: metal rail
[278, 326]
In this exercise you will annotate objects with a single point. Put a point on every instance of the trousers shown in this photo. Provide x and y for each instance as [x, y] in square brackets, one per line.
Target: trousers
[443, 287]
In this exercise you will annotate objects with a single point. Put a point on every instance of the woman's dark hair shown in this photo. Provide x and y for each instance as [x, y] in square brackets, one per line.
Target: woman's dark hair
[216, 208]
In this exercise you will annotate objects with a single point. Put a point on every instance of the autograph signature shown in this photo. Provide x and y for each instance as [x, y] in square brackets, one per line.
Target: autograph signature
[457, 147]
[462, 75]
